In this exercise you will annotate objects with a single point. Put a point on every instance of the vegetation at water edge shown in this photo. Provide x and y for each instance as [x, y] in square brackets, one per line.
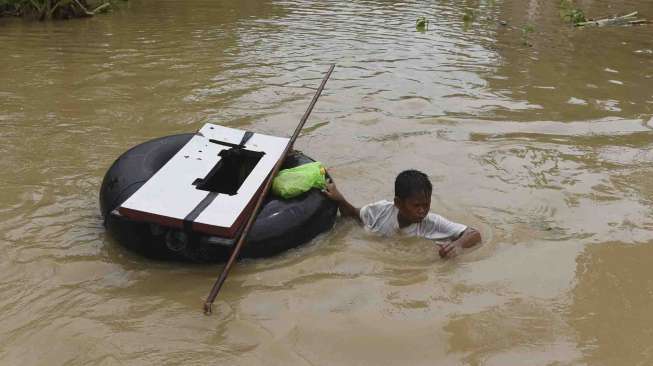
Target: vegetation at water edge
[53, 9]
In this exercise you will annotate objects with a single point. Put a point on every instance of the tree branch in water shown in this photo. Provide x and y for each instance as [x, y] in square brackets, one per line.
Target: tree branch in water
[628, 19]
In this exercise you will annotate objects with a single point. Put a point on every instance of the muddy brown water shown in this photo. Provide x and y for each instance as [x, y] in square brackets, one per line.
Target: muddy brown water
[542, 140]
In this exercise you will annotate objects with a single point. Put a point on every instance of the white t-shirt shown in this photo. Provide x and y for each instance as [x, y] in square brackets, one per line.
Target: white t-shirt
[381, 218]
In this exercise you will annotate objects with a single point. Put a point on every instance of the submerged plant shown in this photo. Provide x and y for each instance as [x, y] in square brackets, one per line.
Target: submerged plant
[526, 30]
[422, 24]
[469, 15]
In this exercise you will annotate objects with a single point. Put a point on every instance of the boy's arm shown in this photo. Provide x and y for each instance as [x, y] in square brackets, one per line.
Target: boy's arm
[469, 238]
[346, 208]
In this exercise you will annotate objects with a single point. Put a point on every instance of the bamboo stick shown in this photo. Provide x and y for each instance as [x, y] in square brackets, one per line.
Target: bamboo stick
[225, 271]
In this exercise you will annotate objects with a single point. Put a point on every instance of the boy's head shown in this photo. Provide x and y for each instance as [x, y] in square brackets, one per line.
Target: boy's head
[413, 195]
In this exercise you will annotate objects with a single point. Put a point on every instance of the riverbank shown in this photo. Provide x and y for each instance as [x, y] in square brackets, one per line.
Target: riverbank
[53, 9]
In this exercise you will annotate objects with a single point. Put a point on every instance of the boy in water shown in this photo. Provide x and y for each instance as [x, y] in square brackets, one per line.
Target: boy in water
[409, 214]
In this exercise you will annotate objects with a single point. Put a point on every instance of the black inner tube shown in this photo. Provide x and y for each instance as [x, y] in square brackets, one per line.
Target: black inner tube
[280, 225]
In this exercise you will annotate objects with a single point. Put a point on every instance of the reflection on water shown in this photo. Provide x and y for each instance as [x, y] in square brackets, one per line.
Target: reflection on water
[544, 145]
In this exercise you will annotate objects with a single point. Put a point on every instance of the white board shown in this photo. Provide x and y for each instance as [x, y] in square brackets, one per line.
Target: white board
[169, 196]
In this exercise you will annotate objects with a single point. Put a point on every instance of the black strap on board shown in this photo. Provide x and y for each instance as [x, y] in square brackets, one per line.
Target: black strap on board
[248, 135]
[210, 197]
[204, 203]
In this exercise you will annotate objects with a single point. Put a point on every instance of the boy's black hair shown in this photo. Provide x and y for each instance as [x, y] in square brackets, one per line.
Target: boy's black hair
[411, 182]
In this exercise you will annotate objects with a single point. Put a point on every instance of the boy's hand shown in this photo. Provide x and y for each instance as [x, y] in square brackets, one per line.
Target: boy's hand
[448, 250]
[346, 208]
[469, 238]
[333, 193]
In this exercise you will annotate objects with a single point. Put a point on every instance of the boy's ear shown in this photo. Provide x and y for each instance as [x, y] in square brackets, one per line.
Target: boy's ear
[398, 201]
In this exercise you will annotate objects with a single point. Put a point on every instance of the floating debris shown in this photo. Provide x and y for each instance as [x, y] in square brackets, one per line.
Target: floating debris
[628, 19]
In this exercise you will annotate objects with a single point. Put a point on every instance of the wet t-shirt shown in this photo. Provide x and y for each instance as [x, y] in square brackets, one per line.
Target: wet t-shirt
[381, 218]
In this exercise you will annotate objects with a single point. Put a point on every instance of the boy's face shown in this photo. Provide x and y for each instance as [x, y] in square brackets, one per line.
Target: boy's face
[414, 208]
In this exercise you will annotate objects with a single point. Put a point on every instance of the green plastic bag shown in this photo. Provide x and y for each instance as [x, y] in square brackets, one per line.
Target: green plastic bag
[292, 182]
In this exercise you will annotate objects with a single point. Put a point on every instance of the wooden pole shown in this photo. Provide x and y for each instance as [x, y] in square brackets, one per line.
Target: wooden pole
[223, 276]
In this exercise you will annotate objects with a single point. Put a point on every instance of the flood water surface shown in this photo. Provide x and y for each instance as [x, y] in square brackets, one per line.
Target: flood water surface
[536, 133]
